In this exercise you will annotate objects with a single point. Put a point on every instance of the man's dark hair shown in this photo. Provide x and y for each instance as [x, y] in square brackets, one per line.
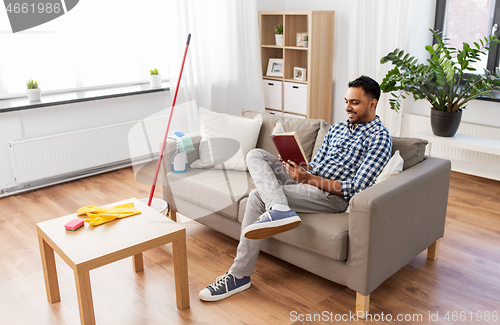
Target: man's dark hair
[369, 86]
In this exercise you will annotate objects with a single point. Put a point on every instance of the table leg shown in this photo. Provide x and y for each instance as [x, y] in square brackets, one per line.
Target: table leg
[181, 273]
[84, 293]
[49, 271]
[138, 262]
[173, 215]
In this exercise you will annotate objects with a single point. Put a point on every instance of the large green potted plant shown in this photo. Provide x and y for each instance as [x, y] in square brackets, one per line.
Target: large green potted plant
[447, 81]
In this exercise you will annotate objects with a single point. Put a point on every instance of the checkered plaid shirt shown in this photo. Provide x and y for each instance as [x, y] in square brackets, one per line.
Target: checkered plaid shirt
[353, 157]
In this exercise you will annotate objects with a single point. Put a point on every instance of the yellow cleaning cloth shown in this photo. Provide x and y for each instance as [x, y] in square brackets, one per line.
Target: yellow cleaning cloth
[99, 215]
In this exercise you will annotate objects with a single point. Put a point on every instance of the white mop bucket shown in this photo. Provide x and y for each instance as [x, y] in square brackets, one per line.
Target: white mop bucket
[158, 204]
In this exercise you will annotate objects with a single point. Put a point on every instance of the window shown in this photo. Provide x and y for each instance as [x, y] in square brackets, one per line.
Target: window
[97, 43]
[468, 21]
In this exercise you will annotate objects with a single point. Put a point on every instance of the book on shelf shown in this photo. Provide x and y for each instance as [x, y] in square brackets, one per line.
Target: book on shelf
[288, 145]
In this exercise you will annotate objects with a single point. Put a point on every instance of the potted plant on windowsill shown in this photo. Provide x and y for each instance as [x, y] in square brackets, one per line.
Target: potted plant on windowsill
[34, 93]
[446, 81]
[155, 78]
[278, 34]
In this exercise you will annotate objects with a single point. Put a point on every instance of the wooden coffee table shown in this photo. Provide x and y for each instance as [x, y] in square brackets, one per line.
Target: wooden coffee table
[91, 247]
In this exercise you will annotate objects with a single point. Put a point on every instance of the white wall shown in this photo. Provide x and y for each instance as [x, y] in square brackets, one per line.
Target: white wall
[270, 5]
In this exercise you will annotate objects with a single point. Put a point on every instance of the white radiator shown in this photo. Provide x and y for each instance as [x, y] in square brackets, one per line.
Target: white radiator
[463, 160]
[66, 153]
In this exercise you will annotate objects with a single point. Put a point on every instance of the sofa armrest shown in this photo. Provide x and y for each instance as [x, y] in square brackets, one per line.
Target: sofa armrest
[392, 222]
[170, 149]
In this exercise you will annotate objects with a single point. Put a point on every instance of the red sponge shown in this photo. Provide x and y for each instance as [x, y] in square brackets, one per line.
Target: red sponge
[74, 224]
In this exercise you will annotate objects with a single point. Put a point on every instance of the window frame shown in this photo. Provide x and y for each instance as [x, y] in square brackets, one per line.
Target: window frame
[494, 54]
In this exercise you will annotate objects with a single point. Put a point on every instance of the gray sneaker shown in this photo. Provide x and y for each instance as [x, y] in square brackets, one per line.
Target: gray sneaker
[226, 285]
[272, 223]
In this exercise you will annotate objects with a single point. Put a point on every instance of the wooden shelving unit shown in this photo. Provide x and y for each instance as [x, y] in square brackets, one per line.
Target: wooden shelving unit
[317, 58]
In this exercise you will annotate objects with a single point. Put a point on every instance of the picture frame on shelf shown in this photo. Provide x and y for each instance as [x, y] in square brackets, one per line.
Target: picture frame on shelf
[275, 68]
[301, 38]
[299, 74]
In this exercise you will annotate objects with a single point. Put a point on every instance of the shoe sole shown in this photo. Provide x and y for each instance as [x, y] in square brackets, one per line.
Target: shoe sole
[266, 230]
[227, 294]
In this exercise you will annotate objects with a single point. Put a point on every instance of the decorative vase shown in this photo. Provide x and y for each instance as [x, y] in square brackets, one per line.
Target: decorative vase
[305, 43]
[445, 124]
[34, 94]
[155, 80]
[279, 39]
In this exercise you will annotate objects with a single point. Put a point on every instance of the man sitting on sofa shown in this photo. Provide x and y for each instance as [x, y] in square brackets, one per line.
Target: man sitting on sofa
[351, 157]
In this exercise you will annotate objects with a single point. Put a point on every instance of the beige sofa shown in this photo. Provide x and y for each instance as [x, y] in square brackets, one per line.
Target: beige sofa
[387, 225]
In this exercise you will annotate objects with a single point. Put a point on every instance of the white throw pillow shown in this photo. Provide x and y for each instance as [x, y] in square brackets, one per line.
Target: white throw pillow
[226, 139]
[393, 167]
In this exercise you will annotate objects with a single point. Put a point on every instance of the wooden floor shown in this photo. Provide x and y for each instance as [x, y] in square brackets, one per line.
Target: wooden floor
[465, 278]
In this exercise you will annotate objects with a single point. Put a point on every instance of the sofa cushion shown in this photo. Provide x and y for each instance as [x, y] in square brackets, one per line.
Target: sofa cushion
[323, 130]
[412, 150]
[236, 137]
[324, 234]
[214, 189]
[393, 167]
[307, 130]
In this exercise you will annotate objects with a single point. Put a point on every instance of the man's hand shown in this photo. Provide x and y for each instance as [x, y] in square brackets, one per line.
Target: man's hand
[298, 173]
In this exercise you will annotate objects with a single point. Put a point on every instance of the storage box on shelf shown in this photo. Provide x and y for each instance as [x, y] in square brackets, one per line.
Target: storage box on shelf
[311, 97]
[273, 93]
[295, 98]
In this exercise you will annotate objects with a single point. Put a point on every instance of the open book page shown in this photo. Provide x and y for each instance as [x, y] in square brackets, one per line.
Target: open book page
[278, 129]
[288, 145]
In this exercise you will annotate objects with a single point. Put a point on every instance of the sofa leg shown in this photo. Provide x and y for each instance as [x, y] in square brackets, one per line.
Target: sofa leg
[173, 215]
[432, 251]
[362, 305]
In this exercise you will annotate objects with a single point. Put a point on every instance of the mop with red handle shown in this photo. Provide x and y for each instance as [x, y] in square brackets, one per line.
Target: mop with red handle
[168, 125]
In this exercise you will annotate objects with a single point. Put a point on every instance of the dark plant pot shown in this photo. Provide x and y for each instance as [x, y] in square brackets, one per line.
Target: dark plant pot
[445, 124]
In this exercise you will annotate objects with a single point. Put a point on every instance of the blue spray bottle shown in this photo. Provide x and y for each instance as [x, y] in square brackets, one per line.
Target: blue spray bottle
[179, 159]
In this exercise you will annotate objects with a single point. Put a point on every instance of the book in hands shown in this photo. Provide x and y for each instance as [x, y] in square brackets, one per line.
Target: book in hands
[288, 145]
